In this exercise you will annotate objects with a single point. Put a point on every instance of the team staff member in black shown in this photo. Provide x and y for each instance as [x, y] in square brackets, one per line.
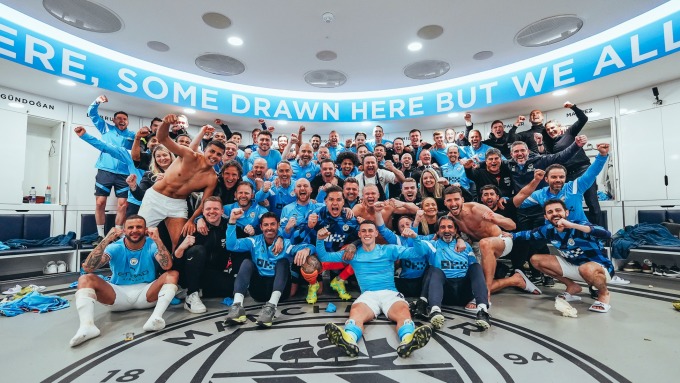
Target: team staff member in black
[492, 173]
[554, 140]
[203, 260]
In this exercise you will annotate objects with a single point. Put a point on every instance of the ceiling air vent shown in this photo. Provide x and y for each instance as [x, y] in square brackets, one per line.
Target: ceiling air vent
[325, 78]
[84, 14]
[216, 20]
[549, 31]
[426, 69]
[326, 55]
[220, 64]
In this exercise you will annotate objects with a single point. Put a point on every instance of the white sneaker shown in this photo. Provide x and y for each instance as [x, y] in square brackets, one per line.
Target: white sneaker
[619, 281]
[193, 304]
[50, 268]
[61, 267]
[12, 290]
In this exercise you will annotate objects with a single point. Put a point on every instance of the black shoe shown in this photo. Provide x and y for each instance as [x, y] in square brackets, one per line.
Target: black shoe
[414, 341]
[548, 281]
[660, 270]
[97, 241]
[633, 266]
[340, 338]
[418, 309]
[483, 320]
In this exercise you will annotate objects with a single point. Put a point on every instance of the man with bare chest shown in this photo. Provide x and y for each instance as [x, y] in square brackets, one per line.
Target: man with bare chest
[370, 199]
[190, 172]
[483, 226]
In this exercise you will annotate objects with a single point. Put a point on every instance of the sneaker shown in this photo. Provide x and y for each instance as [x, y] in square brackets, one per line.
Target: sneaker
[418, 309]
[342, 339]
[633, 266]
[483, 320]
[339, 286]
[237, 314]
[97, 241]
[418, 339]
[61, 267]
[671, 273]
[647, 266]
[193, 304]
[266, 317]
[311, 293]
[660, 270]
[50, 268]
[437, 319]
[548, 281]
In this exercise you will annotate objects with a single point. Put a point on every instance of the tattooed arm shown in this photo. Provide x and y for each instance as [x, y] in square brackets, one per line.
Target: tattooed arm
[163, 255]
[98, 257]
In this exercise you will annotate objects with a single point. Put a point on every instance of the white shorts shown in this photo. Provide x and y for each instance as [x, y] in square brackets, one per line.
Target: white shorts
[508, 248]
[156, 207]
[380, 301]
[130, 297]
[569, 270]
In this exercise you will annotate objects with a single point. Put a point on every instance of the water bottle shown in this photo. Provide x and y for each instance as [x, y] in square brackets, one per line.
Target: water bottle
[31, 195]
[48, 195]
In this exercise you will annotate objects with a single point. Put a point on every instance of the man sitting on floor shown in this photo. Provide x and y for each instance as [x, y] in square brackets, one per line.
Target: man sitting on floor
[266, 273]
[133, 277]
[374, 267]
[581, 257]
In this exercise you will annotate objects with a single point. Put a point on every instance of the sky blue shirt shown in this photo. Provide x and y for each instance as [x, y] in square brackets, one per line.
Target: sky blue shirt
[374, 269]
[113, 136]
[130, 267]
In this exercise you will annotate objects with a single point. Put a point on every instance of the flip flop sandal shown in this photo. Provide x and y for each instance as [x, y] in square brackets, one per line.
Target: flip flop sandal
[470, 309]
[569, 298]
[600, 307]
[530, 287]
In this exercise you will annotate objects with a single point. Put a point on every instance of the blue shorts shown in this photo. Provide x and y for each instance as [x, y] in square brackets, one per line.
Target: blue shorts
[105, 181]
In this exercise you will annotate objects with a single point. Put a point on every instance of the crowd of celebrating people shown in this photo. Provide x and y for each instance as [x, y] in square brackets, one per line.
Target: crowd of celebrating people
[403, 218]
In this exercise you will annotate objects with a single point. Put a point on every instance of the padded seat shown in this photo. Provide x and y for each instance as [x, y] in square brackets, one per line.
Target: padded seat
[651, 216]
[671, 249]
[673, 216]
[89, 226]
[36, 250]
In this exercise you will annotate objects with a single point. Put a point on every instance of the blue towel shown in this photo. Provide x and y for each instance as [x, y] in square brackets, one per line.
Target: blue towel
[60, 240]
[641, 234]
[3, 246]
[35, 302]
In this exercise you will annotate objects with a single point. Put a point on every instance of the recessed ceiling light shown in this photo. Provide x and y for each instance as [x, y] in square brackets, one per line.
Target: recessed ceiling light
[66, 82]
[16, 105]
[452, 115]
[413, 47]
[189, 111]
[560, 92]
[235, 41]
[282, 122]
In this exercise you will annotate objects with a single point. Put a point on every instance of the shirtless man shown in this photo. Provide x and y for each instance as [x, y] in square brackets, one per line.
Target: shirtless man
[366, 208]
[482, 226]
[190, 172]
